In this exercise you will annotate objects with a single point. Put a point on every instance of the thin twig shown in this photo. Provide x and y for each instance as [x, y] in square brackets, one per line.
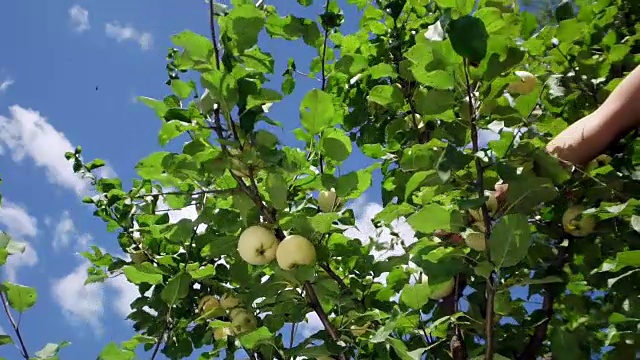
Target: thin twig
[23, 351]
[539, 335]
[491, 291]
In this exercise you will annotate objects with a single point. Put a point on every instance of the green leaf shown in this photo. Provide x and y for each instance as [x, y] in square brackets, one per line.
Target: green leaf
[158, 106]
[317, 111]
[204, 272]
[20, 297]
[510, 240]
[387, 95]
[181, 88]
[138, 275]
[222, 87]
[382, 70]
[469, 37]
[435, 217]
[322, 222]
[113, 352]
[5, 340]
[278, 189]
[335, 144]
[197, 46]
[433, 102]
[415, 296]
[563, 343]
[50, 350]
[177, 288]
[256, 337]
[243, 25]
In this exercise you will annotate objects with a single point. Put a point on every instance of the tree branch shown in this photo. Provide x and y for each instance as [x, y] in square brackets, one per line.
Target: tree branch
[531, 350]
[23, 348]
[491, 291]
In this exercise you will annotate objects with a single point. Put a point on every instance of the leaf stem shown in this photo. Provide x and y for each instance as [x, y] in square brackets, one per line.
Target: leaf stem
[16, 328]
[491, 290]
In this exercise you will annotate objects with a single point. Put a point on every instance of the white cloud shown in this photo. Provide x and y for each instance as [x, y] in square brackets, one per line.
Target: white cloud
[79, 18]
[4, 84]
[28, 258]
[17, 220]
[128, 33]
[81, 304]
[126, 293]
[26, 133]
[66, 234]
[365, 231]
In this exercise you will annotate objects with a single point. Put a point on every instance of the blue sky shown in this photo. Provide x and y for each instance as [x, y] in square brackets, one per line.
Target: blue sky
[56, 54]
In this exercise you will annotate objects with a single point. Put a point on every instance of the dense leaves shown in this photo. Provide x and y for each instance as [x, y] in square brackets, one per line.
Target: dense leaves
[411, 88]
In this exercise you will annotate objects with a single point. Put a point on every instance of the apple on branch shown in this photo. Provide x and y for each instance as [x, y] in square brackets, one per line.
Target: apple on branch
[257, 245]
[208, 306]
[576, 223]
[295, 250]
[242, 321]
[229, 302]
[525, 85]
[328, 200]
[138, 257]
[440, 291]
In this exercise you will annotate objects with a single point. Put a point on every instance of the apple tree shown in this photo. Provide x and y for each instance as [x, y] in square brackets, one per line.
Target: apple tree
[547, 268]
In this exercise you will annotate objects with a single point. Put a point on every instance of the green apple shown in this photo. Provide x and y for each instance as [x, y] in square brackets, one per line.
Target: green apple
[492, 206]
[295, 250]
[327, 200]
[576, 223]
[138, 257]
[440, 291]
[229, 302]
[475, 240]
[257, 245]
[242, 321]
[208, 306]
[525, 85]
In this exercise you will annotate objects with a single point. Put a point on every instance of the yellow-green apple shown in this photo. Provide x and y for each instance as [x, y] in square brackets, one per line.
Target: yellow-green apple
[442, 290]
[525, 85]
[576, 223]
[242, 321]
[327, 200]
[257, 245]
[295, 250]
[229, 302]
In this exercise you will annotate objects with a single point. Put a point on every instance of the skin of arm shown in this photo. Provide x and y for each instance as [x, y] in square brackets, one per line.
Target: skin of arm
[588, 137]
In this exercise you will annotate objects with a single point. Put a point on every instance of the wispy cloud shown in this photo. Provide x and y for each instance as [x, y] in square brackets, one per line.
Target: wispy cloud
[66, 234]
[79, 18]
[17, 220]
[26, 133]
[128, 33]
[81, 304]
[4, 84]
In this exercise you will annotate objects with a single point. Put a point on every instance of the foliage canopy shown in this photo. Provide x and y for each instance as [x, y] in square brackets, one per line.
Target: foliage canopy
[412, 89]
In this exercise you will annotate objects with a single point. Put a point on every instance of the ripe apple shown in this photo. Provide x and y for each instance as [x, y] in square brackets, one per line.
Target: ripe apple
[475, 240]
[221, 333]
[525, 85]
[295, 250]
[229, 302]
[138, 257]
[442, 290]
[327, 200]
[208, 305]
[243, 321]
[576, 223]
[257, 245]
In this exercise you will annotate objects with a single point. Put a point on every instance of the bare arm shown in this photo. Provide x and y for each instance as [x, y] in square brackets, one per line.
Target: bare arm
[590, 136]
